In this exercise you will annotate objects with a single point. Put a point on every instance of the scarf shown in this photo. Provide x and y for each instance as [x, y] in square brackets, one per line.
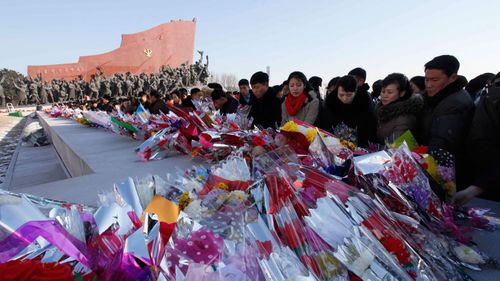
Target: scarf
[294, 104]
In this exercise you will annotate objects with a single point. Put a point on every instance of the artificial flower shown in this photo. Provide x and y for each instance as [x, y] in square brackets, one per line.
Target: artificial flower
[290, 126]
[184, 200]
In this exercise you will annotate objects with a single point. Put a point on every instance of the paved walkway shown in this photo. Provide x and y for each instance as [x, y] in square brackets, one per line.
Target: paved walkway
[10, 133]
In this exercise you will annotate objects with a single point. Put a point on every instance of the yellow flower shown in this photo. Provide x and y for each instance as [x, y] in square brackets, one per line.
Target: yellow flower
[290, 126]
[432, 167]
[348, 144]
[311, 134]
[82, 121]
[222, 186]
[184, 200]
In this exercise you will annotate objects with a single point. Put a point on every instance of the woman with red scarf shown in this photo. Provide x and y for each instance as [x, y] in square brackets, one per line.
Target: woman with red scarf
[301, 103]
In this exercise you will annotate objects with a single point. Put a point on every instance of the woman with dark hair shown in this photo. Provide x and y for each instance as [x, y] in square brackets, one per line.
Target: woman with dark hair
[332, 85]
[417, 84]
[396, 112]
[345, 106]
[301, 103]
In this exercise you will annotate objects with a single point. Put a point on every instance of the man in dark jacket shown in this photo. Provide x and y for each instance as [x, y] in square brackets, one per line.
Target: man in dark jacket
[483, 149]
[157, 105]
[105, 104]
[360, 75]
[195, 94]
[447, 112]
[223, 102]
[266, 108]
[246, 95]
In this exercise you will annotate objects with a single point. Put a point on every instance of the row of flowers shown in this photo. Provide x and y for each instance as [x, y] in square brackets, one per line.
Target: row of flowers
[293, 204]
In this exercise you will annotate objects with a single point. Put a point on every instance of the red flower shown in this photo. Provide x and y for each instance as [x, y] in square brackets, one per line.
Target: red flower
[421, 149]
[35, 270]
[265, 248]
[258, 141]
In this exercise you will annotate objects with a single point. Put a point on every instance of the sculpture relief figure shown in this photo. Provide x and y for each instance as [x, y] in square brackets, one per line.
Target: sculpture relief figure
[33, 97]
[94, 90]
[2, 94]
[71, 91]
[23, 98]
[116, 85]
[43, 93]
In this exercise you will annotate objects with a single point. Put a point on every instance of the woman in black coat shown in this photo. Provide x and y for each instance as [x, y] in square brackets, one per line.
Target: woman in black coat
[397, 109]
[345, 106]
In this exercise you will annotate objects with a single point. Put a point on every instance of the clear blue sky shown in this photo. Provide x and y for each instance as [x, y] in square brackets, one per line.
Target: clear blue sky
[325, 38]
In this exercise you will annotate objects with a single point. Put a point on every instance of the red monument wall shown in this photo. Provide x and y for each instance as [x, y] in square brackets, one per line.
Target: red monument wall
[167, 44]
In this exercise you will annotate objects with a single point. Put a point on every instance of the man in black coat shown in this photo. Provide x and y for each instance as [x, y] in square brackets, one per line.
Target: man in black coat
[105, 104]
[483, 148]
[156, 104]
[246, 95]
[223, 102]
[447, 113]
[195, 94]
[362, 87]
[266, 108]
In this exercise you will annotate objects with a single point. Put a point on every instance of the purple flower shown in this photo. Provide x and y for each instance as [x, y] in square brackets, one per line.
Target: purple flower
[420, 194]
[446, 173]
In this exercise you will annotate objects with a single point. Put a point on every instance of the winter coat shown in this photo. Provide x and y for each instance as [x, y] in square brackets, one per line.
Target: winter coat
[396, 118]
[157, 106]
[483, 144]
[446, 117]
[357, 115]
[244, 102]
[444, 123]
[231, 106]
[308, 113]
[266, 111]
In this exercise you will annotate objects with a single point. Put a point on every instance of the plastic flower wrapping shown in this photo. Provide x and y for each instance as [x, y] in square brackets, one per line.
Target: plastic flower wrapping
[437, 162]
[268, 209]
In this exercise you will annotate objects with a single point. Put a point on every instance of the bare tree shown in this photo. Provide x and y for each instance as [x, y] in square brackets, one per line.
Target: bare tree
[228, 80]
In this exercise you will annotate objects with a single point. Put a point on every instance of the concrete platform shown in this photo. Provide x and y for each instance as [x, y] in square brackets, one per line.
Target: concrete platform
[95, 159]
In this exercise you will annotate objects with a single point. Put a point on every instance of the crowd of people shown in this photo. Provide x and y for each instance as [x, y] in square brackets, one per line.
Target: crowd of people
[441, 109]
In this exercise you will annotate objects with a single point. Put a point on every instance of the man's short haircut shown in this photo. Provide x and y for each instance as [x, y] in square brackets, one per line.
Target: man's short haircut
[154, 93]
[218, 94]
[243, 82]
[447, 63]
[358, 72]
[215, 86]
[194, 91]
[259, 77]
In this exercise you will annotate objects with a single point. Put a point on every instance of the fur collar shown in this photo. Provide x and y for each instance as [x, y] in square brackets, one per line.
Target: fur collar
[413, 105]
[360, 104]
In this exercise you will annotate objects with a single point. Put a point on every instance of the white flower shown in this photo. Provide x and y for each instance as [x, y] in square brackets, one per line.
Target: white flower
[194, 210]
[468, 255]
[362, 263]
[331, 141]
[192, 185]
